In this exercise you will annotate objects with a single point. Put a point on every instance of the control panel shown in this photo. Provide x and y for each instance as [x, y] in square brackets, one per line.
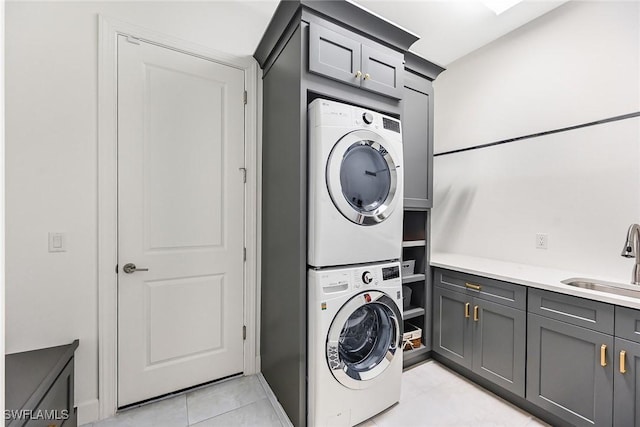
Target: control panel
[360, 277]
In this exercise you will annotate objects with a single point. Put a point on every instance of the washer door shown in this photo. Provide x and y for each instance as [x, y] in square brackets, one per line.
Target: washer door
[363, 339]
[362, 178]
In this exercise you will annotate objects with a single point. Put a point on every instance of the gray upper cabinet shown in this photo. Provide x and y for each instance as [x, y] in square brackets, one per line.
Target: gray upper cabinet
[417, 142]
[417, 131]
[370, 66]
[626, 398]
[382, 72]
[334, 55]
[570, 371]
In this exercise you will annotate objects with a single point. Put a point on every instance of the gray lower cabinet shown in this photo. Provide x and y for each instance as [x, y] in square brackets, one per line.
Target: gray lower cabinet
[499, 343]
[452, 327]
[483, 336]
[570, 371]
[626, 384]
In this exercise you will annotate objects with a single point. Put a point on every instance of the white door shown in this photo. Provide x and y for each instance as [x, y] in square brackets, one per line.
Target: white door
[181, 216]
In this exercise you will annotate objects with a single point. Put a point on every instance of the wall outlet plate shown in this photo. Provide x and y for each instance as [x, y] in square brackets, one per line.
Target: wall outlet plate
[542, 240]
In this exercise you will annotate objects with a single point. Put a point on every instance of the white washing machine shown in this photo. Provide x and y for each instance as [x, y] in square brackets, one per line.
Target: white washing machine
[354, 343]
[355, 185]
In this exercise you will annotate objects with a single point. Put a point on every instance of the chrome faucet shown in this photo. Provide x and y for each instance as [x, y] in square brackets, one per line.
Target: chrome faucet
[632, 249]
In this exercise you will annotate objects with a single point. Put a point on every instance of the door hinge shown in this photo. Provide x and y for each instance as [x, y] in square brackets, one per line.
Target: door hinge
[244, 97]
[244, 174]
[116, 268]
[244, 254]
[244, 332]
[133, 40]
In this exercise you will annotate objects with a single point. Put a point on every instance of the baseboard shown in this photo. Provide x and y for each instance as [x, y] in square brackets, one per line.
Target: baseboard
[282, 415]
[88, 411]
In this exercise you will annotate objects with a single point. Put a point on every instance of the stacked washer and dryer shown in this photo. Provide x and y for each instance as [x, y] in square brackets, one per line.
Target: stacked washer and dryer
[354, 249]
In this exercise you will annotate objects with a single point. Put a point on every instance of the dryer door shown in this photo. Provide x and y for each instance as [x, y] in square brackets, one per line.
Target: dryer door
[363, 339]
[362, 178]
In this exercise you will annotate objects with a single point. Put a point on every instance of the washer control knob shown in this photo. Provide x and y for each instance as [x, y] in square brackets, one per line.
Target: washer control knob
[367, 277]
[367, 117]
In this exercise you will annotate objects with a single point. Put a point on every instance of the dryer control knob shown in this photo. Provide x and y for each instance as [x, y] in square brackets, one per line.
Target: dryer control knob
[367, 117]
[367, 277]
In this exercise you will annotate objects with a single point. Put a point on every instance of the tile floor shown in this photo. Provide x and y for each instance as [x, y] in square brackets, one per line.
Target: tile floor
[432, 396]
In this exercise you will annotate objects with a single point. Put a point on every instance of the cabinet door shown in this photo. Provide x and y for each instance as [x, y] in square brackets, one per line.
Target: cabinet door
[333, 55]
[382, 71]
[452, 326]
[626, 392]
[565, 375]
[499, 344]
[417, 142]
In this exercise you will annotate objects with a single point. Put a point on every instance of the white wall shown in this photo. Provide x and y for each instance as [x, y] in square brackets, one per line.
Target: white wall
[576, 64]
[579, 63]
[51, 158]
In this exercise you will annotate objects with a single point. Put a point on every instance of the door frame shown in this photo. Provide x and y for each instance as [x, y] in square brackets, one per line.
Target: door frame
[108, 31]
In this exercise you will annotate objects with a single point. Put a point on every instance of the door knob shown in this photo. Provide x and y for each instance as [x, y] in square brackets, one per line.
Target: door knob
[131, 268]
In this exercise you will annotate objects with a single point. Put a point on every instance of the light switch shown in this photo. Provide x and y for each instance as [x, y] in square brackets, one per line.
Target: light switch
[57, 242]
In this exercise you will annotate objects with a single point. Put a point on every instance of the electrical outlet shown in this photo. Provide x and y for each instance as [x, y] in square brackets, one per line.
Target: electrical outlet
[542, 240]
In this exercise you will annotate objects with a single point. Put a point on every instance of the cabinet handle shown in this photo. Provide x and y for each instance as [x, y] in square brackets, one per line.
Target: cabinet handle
[358, 74]
[367, 76]
[467, 310]
[472, 286]
[476, 314]
[603, 355]
[623, 368]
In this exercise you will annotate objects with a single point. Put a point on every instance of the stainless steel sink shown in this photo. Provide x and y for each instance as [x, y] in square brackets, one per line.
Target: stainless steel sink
[598, 285]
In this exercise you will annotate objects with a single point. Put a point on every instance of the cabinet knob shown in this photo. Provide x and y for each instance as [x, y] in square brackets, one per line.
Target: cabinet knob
[367, 76]
[623, 368]
[358, 74]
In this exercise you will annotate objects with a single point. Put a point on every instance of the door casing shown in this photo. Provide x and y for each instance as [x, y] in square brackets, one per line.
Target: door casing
[109, 29]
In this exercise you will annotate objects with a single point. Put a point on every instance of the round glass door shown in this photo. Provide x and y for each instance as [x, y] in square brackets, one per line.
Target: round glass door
[362, 178]
[365, 177]
[363, 338]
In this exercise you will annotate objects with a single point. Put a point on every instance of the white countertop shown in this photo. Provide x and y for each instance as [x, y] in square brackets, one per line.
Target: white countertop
[529, 275]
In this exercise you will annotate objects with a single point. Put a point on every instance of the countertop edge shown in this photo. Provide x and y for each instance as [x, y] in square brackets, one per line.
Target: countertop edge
[527, 278]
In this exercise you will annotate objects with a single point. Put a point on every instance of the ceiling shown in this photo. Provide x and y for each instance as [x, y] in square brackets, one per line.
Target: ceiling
[448, 29]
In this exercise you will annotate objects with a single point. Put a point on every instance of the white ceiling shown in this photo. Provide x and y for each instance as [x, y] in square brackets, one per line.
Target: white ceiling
[448, 29]
[451, 29]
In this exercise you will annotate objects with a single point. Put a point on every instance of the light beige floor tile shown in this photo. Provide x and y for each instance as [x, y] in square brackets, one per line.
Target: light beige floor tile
[258, 414]
[434, 396]
[165, 413]
[223, 397]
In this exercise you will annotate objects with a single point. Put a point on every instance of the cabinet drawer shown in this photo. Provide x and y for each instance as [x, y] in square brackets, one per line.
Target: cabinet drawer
[590, 314]
[628, 323]
[504, 293]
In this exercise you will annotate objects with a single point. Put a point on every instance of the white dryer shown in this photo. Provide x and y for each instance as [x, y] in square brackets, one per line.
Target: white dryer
[354, 343]
[355, 185]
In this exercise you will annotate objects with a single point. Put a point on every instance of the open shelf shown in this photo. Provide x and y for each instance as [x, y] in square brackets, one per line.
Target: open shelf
[409, 354]
[413, 278]
[412, 312]
[413, 243]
